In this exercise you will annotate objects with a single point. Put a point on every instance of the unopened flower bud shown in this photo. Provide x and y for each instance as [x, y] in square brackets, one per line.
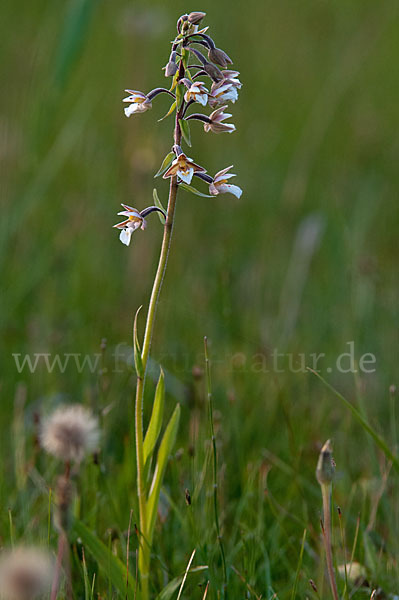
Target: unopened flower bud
[196, 17]
[219, 57]
[171, 66]
[325, 465]
[213, 72]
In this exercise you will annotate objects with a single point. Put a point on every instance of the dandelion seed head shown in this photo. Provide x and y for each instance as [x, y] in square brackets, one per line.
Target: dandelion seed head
[25, 573]
[70, 433]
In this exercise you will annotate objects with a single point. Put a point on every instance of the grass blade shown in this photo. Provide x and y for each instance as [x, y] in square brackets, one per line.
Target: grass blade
[366, 426]
[298, 569]
[107, 562]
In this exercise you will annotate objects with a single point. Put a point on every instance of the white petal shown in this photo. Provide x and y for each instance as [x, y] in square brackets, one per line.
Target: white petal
[230, 95]
[130, 110]
[224, 176]
[221, 89]
[186, 176]
[234, 189]
[202, 99]
[125, 236]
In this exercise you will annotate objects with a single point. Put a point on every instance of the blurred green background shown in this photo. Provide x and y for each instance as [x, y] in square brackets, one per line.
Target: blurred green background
[305, 261]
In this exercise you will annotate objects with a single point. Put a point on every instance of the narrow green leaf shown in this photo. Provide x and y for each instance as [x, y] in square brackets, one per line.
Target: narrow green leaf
[298, 568]
[164, 451]
[86, 578]
[165, 164]
[107, 562]
[174, 81]
[154, 427]
[366, 426]
[185, 130]
[137, 352]
[158, 204]
[173, 585]
[171, 109]
[193, 190]
[179, 95]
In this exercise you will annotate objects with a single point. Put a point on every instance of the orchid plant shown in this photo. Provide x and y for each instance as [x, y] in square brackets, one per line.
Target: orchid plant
[188, 69]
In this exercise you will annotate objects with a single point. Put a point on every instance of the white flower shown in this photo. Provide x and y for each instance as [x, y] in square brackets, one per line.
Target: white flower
[232, 77]
[197, 92]
[138, 103]
[216, 125]
[25, 574]
[184, 168]
[70, 433]
[220, 185]
[221, 92]
[134, 221]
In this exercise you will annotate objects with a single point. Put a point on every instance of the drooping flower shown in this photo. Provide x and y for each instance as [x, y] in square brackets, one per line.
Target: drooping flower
[25, 573]
[70, 433]
[220, 185]
[138, 102]
[232, 77]
[221, 92]
[183, 167]
[197, 92]
[216, 119]
[134, 221]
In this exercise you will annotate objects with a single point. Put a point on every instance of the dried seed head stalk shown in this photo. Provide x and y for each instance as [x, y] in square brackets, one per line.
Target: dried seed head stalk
[324, 474]
[325, 465]
[25, 573]
[189, 68]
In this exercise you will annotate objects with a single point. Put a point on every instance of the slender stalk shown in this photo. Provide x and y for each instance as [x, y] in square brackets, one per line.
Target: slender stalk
[215, 481]
[326, 493]
[145, 549]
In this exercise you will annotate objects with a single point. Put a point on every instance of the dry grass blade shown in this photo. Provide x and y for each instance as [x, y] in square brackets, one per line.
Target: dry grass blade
[186, 573]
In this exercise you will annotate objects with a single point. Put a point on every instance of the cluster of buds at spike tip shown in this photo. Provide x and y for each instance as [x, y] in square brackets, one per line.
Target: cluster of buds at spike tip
[200, 75]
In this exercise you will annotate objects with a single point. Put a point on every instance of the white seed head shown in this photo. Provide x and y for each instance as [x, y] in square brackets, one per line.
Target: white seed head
[70, 433]
[25, 574]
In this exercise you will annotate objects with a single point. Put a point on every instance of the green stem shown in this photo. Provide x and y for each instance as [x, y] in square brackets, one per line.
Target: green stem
[145, 547]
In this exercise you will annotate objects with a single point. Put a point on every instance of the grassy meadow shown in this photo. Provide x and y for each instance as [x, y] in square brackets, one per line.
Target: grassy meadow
[304, 264]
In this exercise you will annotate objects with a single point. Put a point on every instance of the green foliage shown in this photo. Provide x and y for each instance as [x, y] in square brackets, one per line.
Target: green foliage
[193, 190]
[158, 204]
[154, 427]
[109, 564]
[165, 448]
[167, 161]
[185, 130]
[137, 351]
